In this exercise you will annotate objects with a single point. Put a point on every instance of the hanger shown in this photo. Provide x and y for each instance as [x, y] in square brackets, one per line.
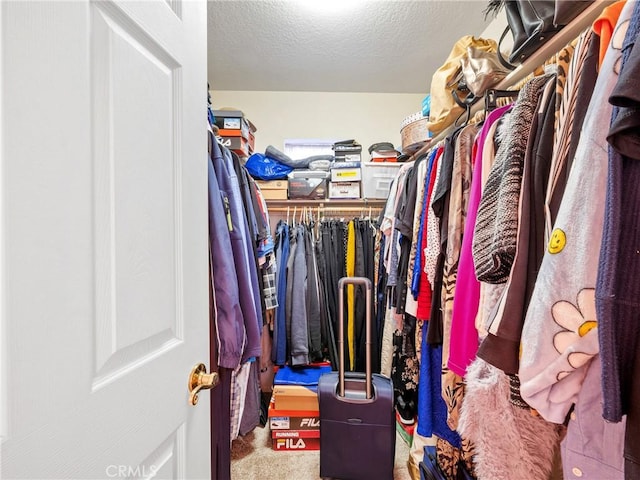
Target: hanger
[492, 95]
[466, 113]
[295, 209]
[287, 214]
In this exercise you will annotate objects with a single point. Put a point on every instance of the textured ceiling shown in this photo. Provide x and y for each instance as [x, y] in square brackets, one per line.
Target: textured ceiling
[388, 46]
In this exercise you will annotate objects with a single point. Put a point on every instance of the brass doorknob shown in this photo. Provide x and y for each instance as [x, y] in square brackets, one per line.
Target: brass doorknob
[200, 380]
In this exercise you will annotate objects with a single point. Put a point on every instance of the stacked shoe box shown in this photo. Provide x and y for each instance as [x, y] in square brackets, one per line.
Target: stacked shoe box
[294, 416]
[346, 174]
[273, 189]
[308, 184]
[236, 132]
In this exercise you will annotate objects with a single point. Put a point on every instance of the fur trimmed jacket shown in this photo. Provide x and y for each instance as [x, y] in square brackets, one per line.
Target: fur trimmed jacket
[507, 438]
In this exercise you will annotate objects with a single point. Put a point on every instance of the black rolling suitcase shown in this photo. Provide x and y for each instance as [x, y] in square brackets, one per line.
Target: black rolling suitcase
[357, 420]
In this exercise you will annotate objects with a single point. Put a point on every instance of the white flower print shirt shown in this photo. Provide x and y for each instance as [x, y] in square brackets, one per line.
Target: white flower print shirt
[557, 340]
[577, 321]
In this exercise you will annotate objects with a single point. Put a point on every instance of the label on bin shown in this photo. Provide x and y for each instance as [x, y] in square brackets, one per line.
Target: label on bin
[232, 123]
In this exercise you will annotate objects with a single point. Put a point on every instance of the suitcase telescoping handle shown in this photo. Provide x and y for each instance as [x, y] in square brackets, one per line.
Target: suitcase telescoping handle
[366, 283]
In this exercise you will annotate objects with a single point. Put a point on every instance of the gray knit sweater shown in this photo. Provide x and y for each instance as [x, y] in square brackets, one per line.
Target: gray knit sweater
[494, 239]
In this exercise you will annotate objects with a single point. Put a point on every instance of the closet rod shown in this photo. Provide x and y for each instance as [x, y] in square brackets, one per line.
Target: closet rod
[330, 209]
[583, 21]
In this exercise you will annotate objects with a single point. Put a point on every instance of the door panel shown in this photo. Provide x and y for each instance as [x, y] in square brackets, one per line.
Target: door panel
[103, 237]
[136, 98]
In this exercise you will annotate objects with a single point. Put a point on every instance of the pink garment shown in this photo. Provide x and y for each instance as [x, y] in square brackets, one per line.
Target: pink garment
[464, 336]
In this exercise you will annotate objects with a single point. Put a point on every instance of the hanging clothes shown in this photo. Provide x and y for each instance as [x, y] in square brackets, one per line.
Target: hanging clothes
[425, 288]
[464, 335]
[365, 259]
[327, 325]
[582, 67]
[494, 239]
[351, 271]
[313, 298]
[230, 327]
[560, 299]
[404, 225]
[413, 275]
[501, 347]
[460, 181]
[617, 286]
[241, 248]
[279, 348]
[299, 320]
[346, 249]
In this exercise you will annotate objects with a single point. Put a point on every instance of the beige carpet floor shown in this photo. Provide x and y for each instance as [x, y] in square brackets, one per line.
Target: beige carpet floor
[253, 459]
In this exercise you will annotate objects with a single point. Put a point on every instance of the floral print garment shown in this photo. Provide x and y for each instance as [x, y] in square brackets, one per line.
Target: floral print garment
[577, 321]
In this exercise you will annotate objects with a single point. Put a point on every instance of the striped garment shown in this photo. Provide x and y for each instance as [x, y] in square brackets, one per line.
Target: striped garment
[495, 234]
[564, 126]
[563, 63]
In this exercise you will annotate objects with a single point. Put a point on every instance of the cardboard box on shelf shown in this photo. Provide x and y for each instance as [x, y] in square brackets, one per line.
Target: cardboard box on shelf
[233, 123]
[288, 422]
[340, 148]
[346, 174]
[252, 142]
[230, 132]
[233, 120]
[273, 189]
[308, 184]
[246, 134]
[292, 419]
[348, 157]
[347, 152]
[240, 145]
[307, 188]
[295, 397]
[386, 156]
[295, 439]
[344, 190]
[286, 444]
[295, 434]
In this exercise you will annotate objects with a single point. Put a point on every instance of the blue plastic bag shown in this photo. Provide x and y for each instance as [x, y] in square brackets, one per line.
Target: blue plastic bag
[266, 168]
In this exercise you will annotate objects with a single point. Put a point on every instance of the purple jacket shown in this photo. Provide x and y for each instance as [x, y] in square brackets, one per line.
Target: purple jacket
[246, 278]
[228, 315]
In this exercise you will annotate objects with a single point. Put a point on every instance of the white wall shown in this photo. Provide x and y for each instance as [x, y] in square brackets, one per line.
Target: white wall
[366, 117]
[494, 30]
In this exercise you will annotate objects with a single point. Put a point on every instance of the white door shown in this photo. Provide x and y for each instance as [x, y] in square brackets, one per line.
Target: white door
[103, 239]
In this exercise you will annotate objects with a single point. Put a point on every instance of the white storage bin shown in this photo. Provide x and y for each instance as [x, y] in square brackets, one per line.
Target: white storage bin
[344, 189]
[377, 178]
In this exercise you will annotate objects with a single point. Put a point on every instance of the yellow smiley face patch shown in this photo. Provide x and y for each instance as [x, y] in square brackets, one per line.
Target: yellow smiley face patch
[557, 242]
